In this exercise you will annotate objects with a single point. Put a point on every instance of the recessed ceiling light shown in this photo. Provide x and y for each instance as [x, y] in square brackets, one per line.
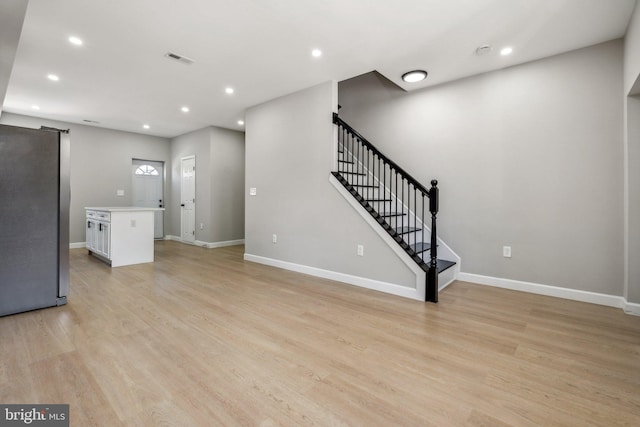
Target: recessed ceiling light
[316, 53]
[241, 122]
[414, 76]
[146, 126]
[35, 107]
[506, 51]
[53, 77]
[185, 109]
[75, 40]
[229, 90]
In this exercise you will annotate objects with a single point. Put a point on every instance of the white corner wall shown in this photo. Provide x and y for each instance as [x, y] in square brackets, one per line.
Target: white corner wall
[632, 157]
[219, 185]
[289, 157]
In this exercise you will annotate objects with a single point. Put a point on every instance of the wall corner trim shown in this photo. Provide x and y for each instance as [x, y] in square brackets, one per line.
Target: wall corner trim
[208, 245]
[632, 308]
[553, 291]
[363, 282]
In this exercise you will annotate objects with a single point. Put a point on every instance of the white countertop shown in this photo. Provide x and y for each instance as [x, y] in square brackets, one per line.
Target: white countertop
[124, 209]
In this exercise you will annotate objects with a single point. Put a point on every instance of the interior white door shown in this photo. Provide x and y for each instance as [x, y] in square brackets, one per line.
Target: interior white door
[188, 199]
[148, 177]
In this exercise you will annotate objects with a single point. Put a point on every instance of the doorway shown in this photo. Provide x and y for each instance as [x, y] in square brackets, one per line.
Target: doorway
[147, 190]
[188, 199]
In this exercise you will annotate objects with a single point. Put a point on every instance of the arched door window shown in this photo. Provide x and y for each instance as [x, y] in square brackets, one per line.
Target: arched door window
[146, 170]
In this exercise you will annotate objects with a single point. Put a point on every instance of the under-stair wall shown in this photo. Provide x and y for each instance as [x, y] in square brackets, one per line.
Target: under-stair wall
[289, 156]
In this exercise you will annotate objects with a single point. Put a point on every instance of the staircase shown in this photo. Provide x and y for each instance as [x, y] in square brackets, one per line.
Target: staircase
[397, 202]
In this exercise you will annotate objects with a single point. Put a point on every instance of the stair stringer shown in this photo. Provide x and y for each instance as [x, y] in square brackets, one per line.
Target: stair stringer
[446, 277]
[417, 293]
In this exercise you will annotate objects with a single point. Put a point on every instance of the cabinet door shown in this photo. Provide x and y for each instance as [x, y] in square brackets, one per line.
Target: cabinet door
[92, 234]
[103, 246]
[105, 239]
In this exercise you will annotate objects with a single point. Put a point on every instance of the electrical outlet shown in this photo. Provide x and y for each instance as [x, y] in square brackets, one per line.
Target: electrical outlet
[360, 250]
[274, 239]
[506, 251]
[120, 193]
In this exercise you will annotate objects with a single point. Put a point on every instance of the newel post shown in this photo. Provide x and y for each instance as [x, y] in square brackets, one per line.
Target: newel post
[432, 274]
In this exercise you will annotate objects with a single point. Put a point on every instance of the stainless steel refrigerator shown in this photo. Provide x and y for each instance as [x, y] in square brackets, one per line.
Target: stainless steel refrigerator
[34, 218]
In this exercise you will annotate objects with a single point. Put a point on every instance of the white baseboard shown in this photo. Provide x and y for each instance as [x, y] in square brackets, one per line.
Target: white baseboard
[77, 245]
[632, 308]
[209, 245]
[363, 282]
[553, 291]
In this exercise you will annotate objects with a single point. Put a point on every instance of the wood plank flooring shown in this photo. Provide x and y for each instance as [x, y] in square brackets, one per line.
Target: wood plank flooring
[203, 338]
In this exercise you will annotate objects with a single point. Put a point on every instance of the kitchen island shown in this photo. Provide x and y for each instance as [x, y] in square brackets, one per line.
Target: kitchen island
[120, 235]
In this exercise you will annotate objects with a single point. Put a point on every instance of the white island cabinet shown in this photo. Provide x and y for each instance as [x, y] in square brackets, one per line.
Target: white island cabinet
[121, 236]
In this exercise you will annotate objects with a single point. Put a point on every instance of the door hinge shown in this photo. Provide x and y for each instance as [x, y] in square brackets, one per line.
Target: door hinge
[193, 232]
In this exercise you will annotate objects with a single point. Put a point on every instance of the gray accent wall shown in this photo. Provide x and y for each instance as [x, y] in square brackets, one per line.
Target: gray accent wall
[529, 157]
[219, 183]
[100, 164]
[289, 157]
[632, 152]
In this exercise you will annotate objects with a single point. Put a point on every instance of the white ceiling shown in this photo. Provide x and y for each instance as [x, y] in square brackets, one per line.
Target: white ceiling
[120, 78]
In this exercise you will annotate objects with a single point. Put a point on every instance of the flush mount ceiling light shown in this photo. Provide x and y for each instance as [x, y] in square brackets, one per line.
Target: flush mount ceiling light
[75, 40]
[53, 77]
[146, 126]
[229, 90]
[241, 122]
[414, 76]
[506, 51]
[483, 50]
[316, 53]
[35, 107]
[185, 109]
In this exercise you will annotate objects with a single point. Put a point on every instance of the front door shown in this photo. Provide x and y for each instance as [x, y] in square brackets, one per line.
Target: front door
[147, 190]
[188, 199]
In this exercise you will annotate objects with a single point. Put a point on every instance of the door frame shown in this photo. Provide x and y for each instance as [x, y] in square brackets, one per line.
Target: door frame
[163, 182]
[182, 210]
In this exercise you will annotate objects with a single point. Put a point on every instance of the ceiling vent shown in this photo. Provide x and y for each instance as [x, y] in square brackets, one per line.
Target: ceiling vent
[179, 58]
[91, 121]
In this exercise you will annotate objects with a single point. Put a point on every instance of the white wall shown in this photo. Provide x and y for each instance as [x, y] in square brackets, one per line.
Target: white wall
[632, 157]
[530, 156]
[289, 157]
[632, 51]
[100, 164]
[219, 183]
[193, 143]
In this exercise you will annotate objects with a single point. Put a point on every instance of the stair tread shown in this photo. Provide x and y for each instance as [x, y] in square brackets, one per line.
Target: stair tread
[364, 185]
[405, 230]
[346, 161]
[353, 173]
[420, 247]
[392, 214]
[443, 265]
[378, 200]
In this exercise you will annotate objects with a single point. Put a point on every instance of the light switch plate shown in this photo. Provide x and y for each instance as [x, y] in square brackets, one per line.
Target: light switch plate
[253, 191]
[119, 192]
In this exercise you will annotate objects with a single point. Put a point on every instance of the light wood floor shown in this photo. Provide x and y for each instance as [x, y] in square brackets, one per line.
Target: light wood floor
[202, 338]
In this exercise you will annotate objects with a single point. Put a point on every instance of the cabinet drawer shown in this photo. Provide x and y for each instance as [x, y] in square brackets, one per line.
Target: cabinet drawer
[99, 216]
[103, 216]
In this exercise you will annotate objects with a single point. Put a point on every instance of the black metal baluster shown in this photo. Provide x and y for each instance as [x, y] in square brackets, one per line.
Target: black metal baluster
[433, 264]
[422, 221]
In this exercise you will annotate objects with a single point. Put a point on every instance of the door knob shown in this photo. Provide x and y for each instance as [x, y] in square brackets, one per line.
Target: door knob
[182, 204]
